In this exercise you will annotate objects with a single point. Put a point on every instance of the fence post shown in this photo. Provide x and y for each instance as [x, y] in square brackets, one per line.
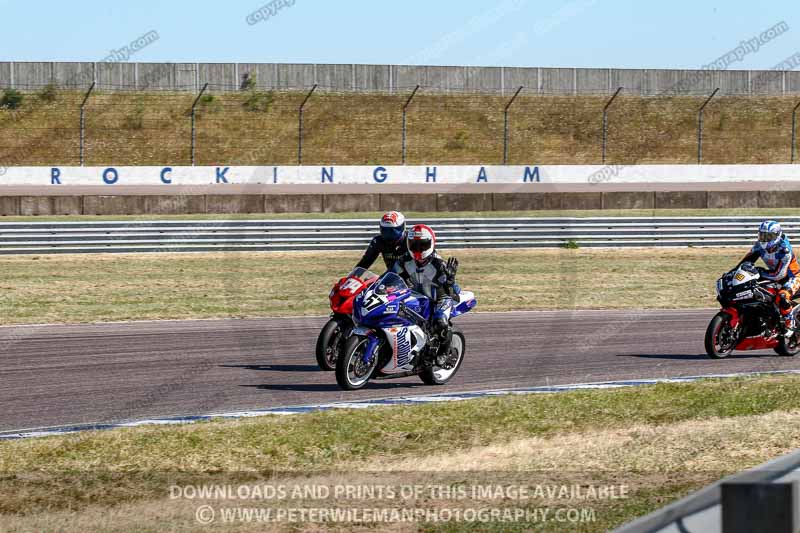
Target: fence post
[505, 125]
[300, 126]
[794, 132]
[605, 122]
[405, 133]
[194, 123]
[700, 126]
[82, 133]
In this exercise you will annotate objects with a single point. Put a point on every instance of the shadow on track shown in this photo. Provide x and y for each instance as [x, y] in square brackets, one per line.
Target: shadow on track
[277, 368]
[313, 387]
[699, 357]
[332, 387]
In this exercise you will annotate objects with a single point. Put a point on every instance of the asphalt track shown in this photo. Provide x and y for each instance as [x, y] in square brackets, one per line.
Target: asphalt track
[106, 373]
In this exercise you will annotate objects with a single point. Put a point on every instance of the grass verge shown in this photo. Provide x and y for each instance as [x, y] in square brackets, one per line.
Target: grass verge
[92, 288]
[658, 442]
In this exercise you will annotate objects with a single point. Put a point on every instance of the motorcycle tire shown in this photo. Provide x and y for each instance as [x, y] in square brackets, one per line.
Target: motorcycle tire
[720, 321]
[439, 376]
[788, 347]
[348, 377]
[330, 341]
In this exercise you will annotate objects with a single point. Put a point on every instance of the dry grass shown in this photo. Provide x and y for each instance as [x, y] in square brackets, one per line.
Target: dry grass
[660, 442]
[92, 288]
[261, 128]
[694, 446]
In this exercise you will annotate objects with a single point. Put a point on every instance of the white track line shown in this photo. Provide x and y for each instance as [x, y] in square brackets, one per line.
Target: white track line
[365, 404]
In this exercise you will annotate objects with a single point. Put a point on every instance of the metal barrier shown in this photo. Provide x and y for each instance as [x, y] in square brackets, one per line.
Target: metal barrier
[332, 234]
[704, 511]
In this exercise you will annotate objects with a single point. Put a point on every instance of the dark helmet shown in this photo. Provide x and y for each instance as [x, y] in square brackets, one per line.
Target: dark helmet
[393, 226]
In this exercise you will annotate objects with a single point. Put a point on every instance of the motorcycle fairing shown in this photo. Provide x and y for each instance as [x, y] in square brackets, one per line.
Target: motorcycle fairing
[406, 343]
[734, 314]
[466, 301]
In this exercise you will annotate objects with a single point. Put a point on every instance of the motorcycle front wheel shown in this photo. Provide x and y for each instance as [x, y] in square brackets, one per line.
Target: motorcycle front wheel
[330, 341]
[352, 372]
[788, 347]
[720, 337]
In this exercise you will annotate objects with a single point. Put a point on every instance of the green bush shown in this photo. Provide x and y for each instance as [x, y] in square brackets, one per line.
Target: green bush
[11, 99]
[248, 82]
[259, 101]
[571, 245]
[48, 93]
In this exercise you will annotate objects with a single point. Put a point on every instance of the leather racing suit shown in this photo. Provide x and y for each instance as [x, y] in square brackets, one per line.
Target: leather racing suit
[435, 282]
[391, 252]
[782, 267]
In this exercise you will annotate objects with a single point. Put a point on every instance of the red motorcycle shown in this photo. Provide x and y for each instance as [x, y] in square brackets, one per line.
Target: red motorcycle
[749, 318]
[337, 329]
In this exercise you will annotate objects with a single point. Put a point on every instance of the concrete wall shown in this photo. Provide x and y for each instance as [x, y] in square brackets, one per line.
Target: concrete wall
[429, 202]
[381, 177]
[392, 78]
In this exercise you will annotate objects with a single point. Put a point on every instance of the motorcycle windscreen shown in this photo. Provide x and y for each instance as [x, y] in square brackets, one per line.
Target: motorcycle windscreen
[362, 274]
[390, 283]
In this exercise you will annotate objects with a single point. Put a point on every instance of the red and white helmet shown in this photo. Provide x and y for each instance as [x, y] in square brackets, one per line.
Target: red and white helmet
[421, 242]
[393, 225]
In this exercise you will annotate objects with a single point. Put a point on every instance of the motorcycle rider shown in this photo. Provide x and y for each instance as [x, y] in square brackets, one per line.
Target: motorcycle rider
[391, 243]
[427, 273]
[774, 248]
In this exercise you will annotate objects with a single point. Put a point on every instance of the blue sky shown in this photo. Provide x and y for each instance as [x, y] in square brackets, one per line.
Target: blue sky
[572, 33]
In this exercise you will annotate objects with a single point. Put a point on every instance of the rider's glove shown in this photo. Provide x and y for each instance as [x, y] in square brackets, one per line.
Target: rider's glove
[450, 269]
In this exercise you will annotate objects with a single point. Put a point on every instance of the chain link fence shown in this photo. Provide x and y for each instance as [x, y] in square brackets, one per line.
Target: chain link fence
[318, 125]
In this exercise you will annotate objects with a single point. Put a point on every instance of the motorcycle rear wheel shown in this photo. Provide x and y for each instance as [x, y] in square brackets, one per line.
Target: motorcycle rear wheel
[720, 337]
[439, 376]
[351, 372]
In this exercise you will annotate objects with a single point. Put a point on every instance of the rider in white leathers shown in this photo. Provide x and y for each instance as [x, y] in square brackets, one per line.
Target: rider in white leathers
[427, 273]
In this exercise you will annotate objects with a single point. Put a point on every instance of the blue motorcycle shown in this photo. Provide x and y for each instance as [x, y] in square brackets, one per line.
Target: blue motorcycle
[392, 337]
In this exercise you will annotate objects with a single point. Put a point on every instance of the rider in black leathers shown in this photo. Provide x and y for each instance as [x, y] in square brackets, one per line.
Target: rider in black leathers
[390, 243]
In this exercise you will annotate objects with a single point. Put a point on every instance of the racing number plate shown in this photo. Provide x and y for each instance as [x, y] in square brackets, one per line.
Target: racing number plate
[372, 302]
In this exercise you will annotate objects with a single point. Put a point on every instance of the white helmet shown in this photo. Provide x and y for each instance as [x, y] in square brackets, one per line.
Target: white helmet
[421, 241]
[769, 234]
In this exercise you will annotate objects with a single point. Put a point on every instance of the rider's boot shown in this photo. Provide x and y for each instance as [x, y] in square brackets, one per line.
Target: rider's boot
[445, 332]
[444, 349]
[788, 325]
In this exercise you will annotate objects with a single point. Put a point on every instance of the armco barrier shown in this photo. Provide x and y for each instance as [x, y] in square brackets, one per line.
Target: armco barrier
[309, 235]
[702, 511]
